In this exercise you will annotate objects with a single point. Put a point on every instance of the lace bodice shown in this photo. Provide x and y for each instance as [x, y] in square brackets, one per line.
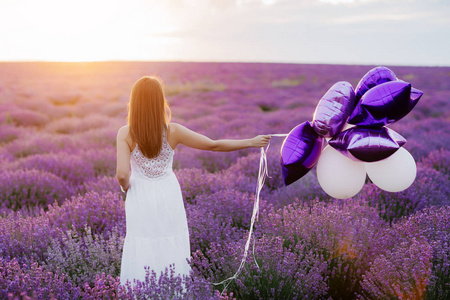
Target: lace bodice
[153, 167]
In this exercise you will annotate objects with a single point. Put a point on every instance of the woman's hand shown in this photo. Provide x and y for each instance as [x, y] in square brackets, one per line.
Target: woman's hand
[260, 141]
[124, 190]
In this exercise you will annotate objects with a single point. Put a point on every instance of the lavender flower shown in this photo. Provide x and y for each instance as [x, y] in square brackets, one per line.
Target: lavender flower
[340, 233]
[100, 212]
[70, 167]
[81, 257]
[438, 160]
[430, 188]
[402, 273]
[9, 134]
[101, 185]
[34, 281]
[168, 285]
[31, 189]
[282, 274]
[433, 224]
[25, 238]
[28, 118]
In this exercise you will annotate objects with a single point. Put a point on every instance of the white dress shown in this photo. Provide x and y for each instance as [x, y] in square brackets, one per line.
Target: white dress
[156, 226]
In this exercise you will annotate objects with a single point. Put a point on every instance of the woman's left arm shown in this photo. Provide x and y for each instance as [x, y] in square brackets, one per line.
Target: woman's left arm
[192, 139]
[123, 159]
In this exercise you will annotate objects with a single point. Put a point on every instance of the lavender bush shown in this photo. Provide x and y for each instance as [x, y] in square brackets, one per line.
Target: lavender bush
[104, 161]
[281, 274]
[430, 188]
[340, 233]
[399, 274]
[438, 160]
[424, 135]
[19, 281]
[168, 285]
[76, 125]
[24, 238]
[30, 189]
[9, 133]
[195, 182]
[104, 287]
[433, 224]
[81, 257]
[27, 118]
[305, 191]
[39, 143]
[100, 212]
[70, 167]
[210, 221]
[101, 185]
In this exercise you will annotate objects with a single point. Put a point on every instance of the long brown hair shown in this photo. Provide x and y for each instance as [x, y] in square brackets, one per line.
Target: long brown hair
[148, 115]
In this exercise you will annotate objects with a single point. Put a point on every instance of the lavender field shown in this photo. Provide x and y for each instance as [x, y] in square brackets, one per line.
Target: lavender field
[62, 215]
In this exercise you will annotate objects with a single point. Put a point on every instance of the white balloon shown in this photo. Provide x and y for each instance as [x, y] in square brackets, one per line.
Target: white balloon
[339, 176]
[395, 173]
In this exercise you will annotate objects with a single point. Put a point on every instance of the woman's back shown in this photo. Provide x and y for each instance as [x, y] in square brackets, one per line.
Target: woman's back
[144, 167]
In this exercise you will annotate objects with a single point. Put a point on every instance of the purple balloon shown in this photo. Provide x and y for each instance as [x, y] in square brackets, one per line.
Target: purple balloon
[300, 152]
[415, 96]
[367, 144]
[373, 78]
[385, 104]
[334, 109]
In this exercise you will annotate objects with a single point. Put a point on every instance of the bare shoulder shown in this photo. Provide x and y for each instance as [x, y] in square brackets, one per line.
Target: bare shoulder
[175, 129]
[123, 135]
[123, 132]
[174, 126]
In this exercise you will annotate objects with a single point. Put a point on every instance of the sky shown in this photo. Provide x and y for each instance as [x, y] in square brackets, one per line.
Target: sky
[368, 32]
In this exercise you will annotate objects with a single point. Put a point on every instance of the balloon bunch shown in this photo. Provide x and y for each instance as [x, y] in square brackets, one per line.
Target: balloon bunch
[353, 122]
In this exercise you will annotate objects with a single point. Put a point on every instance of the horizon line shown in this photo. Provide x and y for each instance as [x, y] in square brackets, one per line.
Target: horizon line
[224, 61]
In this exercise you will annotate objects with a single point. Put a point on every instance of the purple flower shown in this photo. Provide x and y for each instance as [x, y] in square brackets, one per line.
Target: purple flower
[101, 212]
[34, 281]
[31, 190]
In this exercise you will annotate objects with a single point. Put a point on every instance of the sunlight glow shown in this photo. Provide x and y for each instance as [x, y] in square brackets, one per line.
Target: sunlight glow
[293, 31]
[268, 2]
[86, 30]
[337, 1]
[342, 1]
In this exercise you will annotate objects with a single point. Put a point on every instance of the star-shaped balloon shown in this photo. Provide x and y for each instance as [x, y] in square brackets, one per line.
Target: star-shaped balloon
[300, 151]
[334, 109]
[367, 144]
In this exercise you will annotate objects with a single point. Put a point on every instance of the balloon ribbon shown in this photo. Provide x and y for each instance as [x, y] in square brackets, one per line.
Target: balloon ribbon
[262, 174]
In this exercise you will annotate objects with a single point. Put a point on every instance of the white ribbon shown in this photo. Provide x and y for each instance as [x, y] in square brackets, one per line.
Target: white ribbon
[263, 173]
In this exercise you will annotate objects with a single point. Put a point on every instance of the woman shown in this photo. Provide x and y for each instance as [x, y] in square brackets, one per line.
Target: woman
[157, 232]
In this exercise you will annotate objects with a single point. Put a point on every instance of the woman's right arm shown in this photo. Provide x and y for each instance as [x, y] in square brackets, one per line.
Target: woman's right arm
[182, 135]
[123, 159]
